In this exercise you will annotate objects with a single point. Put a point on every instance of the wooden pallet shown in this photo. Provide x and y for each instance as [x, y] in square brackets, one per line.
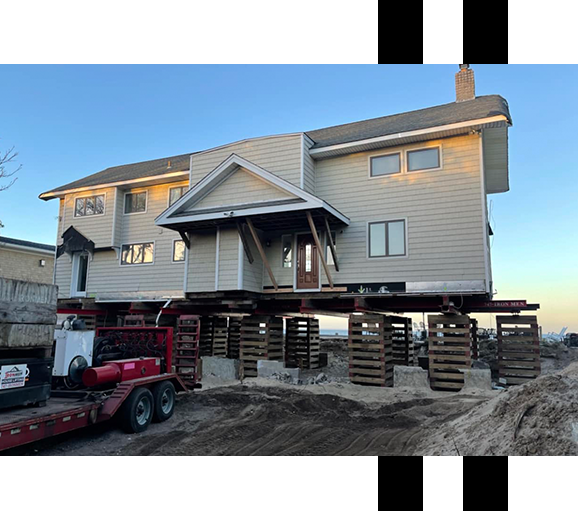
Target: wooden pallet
[234, 337]
[518, 349]
[402, 341]
[370, 350]
[220, 331]
[261, 339]
[186, 349]
[92, 321]
[449, 350]
[474, 337]
[302, 343]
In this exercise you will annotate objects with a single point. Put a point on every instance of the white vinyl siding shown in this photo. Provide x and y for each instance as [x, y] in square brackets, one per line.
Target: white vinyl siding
[280, 155]
[308, 166]
[228, 259]
[202, 263]
[443, 211]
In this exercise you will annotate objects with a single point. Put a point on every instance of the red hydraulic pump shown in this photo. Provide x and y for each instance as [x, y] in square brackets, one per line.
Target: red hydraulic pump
[116, 371]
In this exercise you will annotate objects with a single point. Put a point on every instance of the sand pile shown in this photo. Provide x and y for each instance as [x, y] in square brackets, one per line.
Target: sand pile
[538, 418]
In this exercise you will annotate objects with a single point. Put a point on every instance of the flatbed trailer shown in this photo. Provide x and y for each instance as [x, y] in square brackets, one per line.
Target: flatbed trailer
[71, 410]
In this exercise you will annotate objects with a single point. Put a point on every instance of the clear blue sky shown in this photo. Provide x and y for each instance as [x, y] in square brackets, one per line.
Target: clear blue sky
[70, 121]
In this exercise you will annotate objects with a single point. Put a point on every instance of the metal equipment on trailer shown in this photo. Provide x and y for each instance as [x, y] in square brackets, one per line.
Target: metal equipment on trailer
[136, 390]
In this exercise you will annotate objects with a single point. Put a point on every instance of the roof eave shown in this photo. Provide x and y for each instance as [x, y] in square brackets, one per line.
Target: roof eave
[444, 131]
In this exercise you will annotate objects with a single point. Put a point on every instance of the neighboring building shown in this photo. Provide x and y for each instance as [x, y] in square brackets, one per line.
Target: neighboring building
[26, 260]
[404, 198]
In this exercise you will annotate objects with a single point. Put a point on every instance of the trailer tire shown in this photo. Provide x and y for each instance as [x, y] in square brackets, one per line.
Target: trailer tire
[137, 411]
[164, 399]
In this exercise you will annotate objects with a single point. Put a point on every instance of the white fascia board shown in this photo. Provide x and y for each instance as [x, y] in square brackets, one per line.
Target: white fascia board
[21, 248]
[159, 177]
[408, 134]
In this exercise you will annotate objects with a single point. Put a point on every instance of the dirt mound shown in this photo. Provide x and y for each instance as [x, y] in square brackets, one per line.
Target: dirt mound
[537, 418]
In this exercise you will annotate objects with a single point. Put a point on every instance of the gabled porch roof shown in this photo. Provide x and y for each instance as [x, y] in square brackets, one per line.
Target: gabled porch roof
[279, 206]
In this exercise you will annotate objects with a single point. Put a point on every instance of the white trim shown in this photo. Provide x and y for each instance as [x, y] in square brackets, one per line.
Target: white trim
[484, 217]
[302, 169]
[137, 264]
[241, 256]
[186, 272]
[135, 192]
[227, 167]
[407, 134]
[113, 237]
[51, 195]
[387, 257]
[386, 153]
[422, 148]
[84, 196]
[217, 242]
[173, 251]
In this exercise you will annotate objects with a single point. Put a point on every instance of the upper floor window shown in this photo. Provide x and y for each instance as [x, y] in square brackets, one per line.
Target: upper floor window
[137, 253]
[178, 251]
[176, 193]
[135, 202]
[387, 239]
[423, 159]
[385, 165]
[89, 206]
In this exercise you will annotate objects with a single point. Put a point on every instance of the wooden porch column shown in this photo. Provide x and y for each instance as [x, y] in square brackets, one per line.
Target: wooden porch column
[262, 252]
[319, 249]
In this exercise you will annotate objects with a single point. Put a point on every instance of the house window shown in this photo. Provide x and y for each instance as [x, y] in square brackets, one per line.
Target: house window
[89, 206]
[176, 193]
[387, 239]
[178, 251]
[423, 159]
[137, 253]
[385, 165]
[135, 202]
[287, 251]
[79, 274]
[328, 253]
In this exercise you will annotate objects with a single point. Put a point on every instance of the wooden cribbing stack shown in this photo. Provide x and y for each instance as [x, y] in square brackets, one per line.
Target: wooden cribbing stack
[206, 337]
[234, 337]
[518, 349]
[403, 352]
[220, 330]
[370, 350]
[261, 339]
[302, 343]
[449, 350]
[186, 349]
[474, 335]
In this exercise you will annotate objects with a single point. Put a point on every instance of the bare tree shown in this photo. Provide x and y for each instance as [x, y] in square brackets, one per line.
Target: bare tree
[6, 159]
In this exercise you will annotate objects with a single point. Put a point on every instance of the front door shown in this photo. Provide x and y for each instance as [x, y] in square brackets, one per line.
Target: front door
[307, 262]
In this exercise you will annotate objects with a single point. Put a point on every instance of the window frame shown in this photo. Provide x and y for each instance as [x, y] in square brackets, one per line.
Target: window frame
[172, 188]
[88, 196]
[146, 192]
[386, 256]
[371, 157]
[136, 264]
[283, 237]
[175, 240]
[424, 148]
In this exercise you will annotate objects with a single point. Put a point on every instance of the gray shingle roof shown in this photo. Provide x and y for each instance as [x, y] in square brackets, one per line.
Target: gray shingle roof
[478, 108]
[24, 243]
[131, 171]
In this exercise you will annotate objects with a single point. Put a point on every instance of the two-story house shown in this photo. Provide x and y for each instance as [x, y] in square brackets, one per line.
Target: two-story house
[394, 206]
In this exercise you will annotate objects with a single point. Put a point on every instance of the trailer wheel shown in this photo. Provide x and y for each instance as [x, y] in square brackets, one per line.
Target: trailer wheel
[164, 399]
[137, 411]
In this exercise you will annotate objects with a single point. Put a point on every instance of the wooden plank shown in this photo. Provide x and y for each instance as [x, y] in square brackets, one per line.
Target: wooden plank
[319, 248]
[245, 242]
[262, 253]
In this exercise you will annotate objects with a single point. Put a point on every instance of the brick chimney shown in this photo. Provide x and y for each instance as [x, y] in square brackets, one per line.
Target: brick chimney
[465, 85]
